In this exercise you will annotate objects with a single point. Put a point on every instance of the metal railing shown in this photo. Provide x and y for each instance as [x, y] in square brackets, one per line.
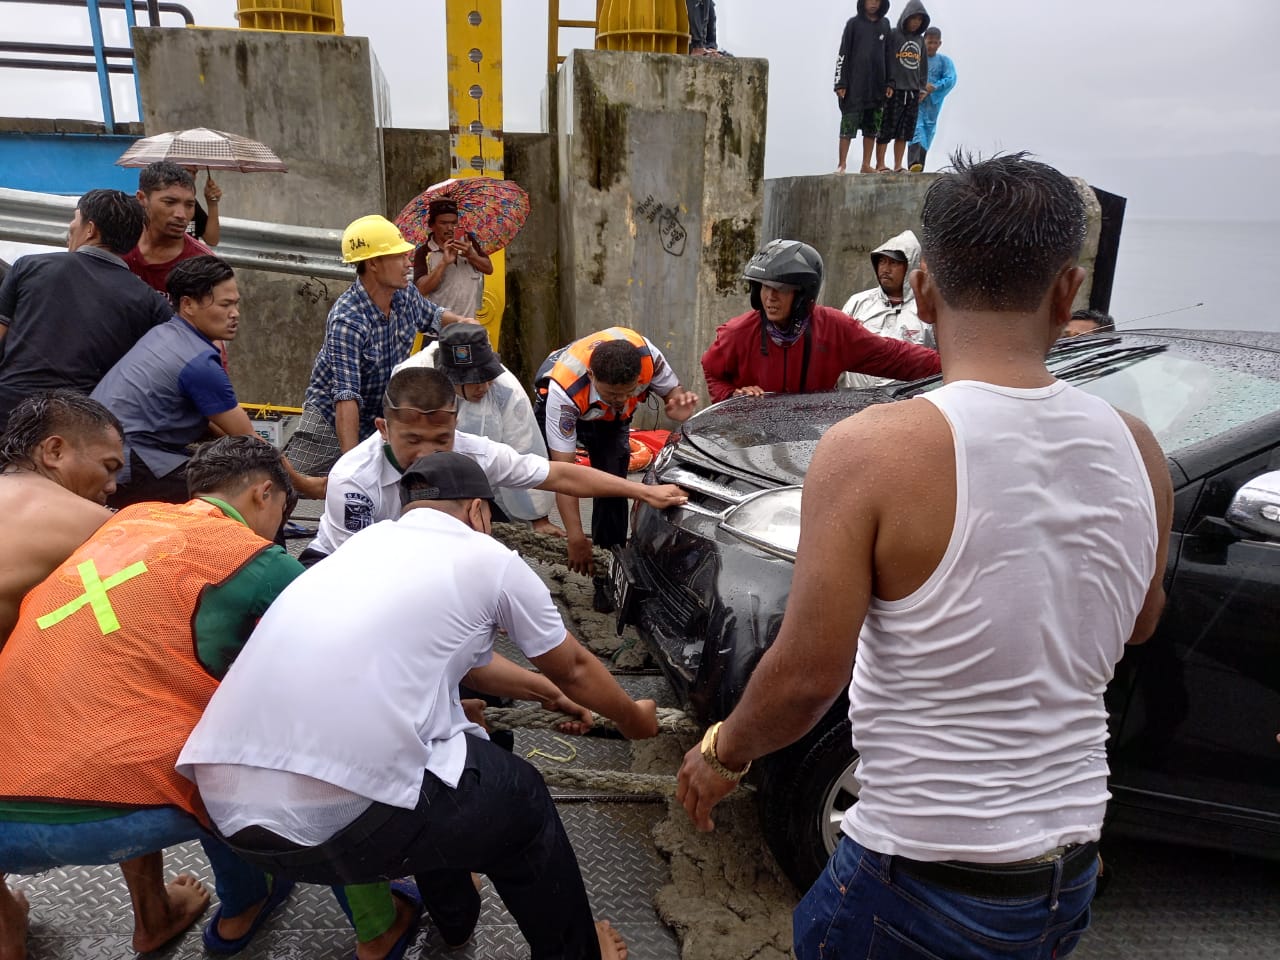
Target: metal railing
[95, 58]
[42, 218]
[555, 25]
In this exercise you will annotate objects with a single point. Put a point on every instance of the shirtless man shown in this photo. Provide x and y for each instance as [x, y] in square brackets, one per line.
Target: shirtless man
[58, 463]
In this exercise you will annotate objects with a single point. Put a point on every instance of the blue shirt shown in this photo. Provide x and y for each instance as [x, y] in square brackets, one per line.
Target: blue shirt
[361, 347]
[164, 391]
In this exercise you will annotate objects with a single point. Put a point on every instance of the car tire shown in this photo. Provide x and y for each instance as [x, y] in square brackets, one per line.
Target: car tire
[801, 794]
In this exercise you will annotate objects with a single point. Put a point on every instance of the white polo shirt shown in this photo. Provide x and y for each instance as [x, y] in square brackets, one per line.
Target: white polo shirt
[347, 691]
[364, 485]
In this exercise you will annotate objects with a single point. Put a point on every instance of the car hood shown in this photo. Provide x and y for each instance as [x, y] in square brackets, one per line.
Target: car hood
[773, 437]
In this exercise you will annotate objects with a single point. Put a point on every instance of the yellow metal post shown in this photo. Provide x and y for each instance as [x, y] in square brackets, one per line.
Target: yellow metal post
[473, 38]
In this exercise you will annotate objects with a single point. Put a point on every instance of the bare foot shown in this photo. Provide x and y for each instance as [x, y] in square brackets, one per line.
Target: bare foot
[612, 946]
[14, 912]
[867, 169]
[186, 899]
[379, 947]
[840, 168]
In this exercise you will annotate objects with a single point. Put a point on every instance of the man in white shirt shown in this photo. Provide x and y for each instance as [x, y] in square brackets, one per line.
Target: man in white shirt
[889, 308]
[403, 782]
[994, 544]
[420, 412]
[493, 404]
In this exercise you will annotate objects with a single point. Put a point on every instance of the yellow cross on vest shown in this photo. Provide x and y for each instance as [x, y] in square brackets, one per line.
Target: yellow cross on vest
[95, 595]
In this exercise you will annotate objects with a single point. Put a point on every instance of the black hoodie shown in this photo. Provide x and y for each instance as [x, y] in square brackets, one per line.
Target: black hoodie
[906, 58]
[860, 65]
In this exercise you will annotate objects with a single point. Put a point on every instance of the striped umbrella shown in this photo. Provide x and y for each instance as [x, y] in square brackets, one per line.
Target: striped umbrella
[201, 147]
[491, 210]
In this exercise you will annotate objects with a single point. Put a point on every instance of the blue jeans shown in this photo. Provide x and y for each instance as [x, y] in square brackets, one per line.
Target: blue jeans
[36, 847]
[862, 907]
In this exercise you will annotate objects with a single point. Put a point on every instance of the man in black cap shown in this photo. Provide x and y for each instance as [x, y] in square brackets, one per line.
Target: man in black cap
[493, 404]
[404, 782]
[450, 267]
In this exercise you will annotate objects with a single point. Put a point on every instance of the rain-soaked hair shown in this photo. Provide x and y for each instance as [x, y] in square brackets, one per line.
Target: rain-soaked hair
[118, 217]
[161, 174]
[196, 277]
[229, 464]
[616, 363]
[424, 388]
[53, 413]
[1101, 321]
[996, 232]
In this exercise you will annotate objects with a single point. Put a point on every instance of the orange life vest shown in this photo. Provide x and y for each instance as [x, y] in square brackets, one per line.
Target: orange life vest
[570, 370]
[100, 685]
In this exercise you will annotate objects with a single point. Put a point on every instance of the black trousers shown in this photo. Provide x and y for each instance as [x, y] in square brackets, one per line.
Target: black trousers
[145, 486]
[916, 154]
[499, 821]
[608, 444]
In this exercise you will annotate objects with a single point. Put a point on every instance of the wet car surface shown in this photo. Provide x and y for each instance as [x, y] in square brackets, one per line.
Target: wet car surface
[1194, 713]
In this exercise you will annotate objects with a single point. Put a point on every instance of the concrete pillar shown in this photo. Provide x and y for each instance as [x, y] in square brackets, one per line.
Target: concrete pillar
[661, 195]
[318, 101]
[845, 217]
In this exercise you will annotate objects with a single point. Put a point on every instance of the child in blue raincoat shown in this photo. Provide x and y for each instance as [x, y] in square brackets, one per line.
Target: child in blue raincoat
[942, 78]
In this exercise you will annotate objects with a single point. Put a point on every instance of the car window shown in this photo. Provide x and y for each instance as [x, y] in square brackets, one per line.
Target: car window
[1186, 396]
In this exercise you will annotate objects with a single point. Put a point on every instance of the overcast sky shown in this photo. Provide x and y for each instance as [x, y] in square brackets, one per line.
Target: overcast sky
[1169, 102]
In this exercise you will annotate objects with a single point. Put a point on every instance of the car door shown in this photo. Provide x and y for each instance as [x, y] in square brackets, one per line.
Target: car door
[1199, 729]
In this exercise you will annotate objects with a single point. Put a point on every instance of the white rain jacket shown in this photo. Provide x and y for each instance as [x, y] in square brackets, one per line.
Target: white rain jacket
[504, 415]
[873, 310]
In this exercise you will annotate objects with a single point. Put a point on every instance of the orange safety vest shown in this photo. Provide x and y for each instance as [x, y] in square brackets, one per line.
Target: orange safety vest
[570, 370]
[100, 685]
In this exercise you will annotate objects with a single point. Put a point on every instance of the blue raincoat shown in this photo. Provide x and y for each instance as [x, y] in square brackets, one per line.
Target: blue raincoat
[942, 74]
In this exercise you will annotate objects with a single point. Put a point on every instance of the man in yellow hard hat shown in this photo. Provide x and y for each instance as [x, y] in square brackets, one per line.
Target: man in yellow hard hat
[370, 329]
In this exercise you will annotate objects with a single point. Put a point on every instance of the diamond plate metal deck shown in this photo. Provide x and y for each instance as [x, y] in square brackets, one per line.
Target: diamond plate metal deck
[84, 914]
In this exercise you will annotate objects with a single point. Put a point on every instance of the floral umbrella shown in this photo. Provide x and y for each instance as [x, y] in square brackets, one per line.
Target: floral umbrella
[201, 147]
[493, 211]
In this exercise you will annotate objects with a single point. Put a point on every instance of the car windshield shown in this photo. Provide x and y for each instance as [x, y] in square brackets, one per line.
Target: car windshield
[1186, 391]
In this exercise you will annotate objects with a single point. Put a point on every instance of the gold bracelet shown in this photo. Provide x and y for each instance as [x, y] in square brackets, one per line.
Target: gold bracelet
[713, 761]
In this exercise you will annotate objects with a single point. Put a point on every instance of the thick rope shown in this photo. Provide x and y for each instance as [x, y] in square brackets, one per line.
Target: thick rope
[532, 716]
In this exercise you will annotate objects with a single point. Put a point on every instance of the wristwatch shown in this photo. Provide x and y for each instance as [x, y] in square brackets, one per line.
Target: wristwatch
[709, 755]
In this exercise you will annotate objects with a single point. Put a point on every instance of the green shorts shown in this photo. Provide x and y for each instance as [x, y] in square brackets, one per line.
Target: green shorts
[868, 122]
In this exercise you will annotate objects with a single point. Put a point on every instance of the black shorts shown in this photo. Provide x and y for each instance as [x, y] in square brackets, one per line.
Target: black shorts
[900, 113]
[868, 121]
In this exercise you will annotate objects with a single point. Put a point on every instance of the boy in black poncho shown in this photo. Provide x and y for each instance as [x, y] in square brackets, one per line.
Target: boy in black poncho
[860, 78]
[907, 77]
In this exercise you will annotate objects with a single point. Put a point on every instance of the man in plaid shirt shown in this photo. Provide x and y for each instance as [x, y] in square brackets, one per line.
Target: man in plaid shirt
[370, 329]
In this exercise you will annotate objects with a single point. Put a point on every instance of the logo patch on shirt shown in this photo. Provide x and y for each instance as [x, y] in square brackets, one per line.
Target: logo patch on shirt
[357, 513]
[568, 424]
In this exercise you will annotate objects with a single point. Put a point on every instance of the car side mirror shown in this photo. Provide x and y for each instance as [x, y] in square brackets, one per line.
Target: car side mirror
[1256, 507]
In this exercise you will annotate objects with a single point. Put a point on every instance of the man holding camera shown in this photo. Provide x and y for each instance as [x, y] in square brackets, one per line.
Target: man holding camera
[450, 267]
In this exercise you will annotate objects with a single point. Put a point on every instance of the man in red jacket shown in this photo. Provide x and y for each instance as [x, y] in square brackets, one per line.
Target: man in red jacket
[789, 344]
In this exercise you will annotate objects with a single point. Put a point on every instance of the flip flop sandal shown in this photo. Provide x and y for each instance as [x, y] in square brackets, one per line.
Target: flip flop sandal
[406, 890]
[280, 890]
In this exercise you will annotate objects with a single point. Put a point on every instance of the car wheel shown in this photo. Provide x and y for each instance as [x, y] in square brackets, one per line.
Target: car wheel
[804, 792]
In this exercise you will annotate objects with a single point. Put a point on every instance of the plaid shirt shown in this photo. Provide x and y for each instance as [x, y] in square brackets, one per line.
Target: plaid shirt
[362, 345]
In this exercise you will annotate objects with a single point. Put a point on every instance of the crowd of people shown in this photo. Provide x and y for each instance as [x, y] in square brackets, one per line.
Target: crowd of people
[168, 673]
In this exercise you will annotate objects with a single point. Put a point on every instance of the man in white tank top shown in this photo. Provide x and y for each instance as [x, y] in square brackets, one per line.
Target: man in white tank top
[987, 550]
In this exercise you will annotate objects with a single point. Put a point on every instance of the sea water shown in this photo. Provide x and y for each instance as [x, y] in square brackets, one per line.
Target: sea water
[1166, 267]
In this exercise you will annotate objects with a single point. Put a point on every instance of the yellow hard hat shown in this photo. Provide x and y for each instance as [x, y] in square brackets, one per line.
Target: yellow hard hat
[372, 236]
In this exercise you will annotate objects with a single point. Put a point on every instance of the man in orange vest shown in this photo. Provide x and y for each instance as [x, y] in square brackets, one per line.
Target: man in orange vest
[107, 670]
[587, 393]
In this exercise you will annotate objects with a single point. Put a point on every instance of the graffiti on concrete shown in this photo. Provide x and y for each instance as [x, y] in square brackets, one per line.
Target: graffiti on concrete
[670, 231]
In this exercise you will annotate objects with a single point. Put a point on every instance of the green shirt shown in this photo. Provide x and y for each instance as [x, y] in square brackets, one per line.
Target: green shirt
[225, 616]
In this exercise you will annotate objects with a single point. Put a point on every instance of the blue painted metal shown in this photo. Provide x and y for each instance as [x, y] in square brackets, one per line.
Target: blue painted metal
[65, 163]
[131, 21]
[100, 58]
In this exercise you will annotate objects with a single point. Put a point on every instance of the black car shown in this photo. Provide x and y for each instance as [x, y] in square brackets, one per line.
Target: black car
[1194, 712]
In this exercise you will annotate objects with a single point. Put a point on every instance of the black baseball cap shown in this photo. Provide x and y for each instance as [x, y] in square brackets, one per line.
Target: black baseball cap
[465, 355]
[444, 475]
